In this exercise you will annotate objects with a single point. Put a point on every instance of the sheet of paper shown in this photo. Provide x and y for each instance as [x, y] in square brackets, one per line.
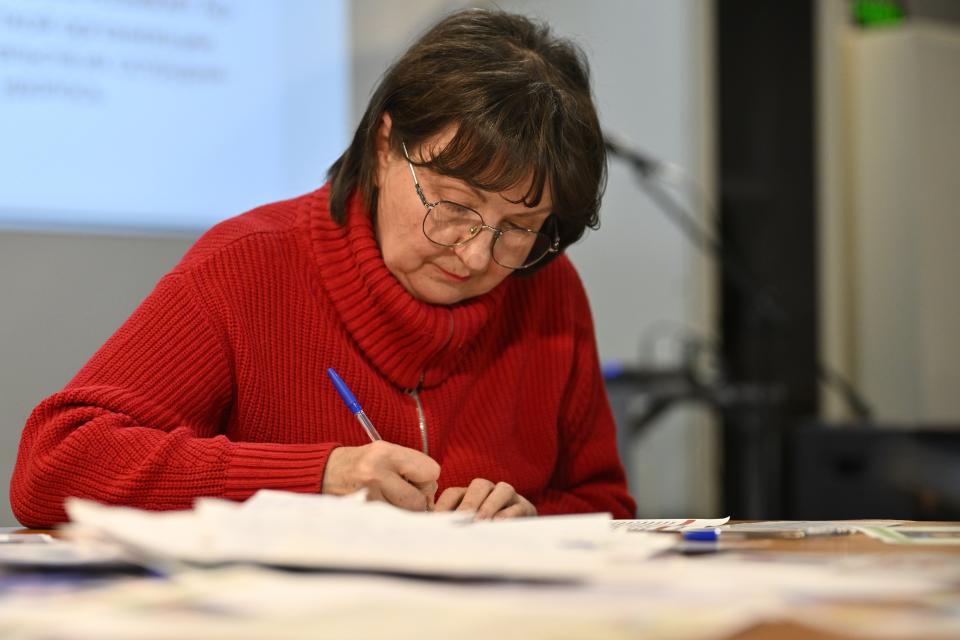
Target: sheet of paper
[678, 524]
[810, 527]
[62, 555]
[316, 531]
[25, 538]
[922, 536]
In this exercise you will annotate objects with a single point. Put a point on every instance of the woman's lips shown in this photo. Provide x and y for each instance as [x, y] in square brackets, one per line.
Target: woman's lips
[453, 276]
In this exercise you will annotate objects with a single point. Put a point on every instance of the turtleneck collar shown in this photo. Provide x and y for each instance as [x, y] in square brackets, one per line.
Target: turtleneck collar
[412, 343]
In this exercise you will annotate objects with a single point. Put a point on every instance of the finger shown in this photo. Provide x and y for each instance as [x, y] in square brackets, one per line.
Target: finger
[513, 511]
[477, 492]
[401, 493]
[503, 495]
[374, 494]
[450, 498]
[429, 490]
[413, 465]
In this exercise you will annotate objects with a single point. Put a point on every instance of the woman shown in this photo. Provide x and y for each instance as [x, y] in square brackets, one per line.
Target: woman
[428, 272]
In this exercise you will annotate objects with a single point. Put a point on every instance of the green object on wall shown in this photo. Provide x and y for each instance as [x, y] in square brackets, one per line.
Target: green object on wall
[877, 13]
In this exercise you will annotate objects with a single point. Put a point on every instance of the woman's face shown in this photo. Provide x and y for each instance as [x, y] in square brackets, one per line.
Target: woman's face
[432, 273]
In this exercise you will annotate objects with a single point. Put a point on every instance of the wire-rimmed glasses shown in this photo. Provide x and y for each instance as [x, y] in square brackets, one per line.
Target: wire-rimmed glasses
[450, 224]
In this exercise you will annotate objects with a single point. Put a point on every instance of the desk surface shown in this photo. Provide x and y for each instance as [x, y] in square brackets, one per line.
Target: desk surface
[847, 550]
[848, 546]
[851, 545]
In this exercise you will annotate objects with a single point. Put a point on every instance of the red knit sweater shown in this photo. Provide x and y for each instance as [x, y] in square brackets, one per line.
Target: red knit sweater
[215, 386]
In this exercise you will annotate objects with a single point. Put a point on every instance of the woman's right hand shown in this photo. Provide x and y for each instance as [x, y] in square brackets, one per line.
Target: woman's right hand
[404, 477]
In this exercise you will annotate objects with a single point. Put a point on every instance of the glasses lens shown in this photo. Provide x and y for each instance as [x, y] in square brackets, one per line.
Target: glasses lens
[450, 224]
[519, 248]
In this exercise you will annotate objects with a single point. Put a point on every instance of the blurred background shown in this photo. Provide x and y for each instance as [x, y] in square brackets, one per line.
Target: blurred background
[773, 284]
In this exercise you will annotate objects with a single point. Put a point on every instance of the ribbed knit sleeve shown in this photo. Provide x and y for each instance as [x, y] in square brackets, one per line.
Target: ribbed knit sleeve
[139, 423]
[588, 476]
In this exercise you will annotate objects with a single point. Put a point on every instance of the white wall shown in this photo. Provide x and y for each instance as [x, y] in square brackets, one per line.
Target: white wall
[61, 296]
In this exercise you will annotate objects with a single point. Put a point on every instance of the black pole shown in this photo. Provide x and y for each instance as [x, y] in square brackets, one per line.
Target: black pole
[767, 218]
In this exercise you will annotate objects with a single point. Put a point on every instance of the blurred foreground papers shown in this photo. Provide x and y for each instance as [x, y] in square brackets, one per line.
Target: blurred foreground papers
[325, 532]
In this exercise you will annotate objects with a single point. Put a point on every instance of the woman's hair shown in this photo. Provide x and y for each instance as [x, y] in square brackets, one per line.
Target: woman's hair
[520, 101]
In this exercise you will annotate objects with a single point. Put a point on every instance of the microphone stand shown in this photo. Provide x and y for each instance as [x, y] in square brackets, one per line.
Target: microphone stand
[755, 453]
[649, 173]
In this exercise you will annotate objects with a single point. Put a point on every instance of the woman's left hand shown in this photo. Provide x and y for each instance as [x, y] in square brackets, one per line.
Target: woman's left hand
[490, 501]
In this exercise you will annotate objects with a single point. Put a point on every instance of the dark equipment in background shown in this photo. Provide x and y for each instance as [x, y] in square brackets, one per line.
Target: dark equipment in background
[847, 471]
[776, 460]
[769, 369]
[751, 409]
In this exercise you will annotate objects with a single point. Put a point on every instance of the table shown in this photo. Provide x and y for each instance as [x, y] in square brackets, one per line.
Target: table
[839, 547]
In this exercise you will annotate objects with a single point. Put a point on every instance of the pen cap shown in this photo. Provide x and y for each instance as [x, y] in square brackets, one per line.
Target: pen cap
[344, 392]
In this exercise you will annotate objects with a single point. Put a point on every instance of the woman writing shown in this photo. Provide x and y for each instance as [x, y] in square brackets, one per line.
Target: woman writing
[428, 272]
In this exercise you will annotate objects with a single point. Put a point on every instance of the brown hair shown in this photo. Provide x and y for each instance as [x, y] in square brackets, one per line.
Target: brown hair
[520, 100]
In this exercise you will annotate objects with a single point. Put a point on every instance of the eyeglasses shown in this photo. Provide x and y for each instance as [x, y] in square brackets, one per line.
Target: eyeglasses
[449, 224]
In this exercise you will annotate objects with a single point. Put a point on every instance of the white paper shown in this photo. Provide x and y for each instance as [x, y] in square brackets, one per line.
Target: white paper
[316, 531]
[58, 554]
[922, 536]
[810, 527]
[25, 538]
[676, 524]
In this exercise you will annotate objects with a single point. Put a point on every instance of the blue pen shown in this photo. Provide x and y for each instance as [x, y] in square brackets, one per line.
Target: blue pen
[702, 535]
[353, 405]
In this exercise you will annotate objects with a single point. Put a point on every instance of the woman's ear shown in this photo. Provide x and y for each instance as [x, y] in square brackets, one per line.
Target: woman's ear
[382, 142]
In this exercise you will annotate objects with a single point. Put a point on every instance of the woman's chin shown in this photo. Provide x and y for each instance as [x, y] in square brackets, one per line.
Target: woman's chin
[433, 286]
[437, 293]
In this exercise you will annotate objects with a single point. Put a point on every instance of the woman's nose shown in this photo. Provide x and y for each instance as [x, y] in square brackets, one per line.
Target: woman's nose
[476, 254]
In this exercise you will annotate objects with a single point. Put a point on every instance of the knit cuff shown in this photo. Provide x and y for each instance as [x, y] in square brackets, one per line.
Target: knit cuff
[285, 467]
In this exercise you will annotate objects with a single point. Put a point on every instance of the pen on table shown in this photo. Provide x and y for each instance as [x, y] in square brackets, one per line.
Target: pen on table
[701, 535]
[353, 405]
[705, 541]
[714, 535]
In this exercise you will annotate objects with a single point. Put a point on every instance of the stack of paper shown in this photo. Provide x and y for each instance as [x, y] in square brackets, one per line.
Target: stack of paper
[629, 593]
[316, 531]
